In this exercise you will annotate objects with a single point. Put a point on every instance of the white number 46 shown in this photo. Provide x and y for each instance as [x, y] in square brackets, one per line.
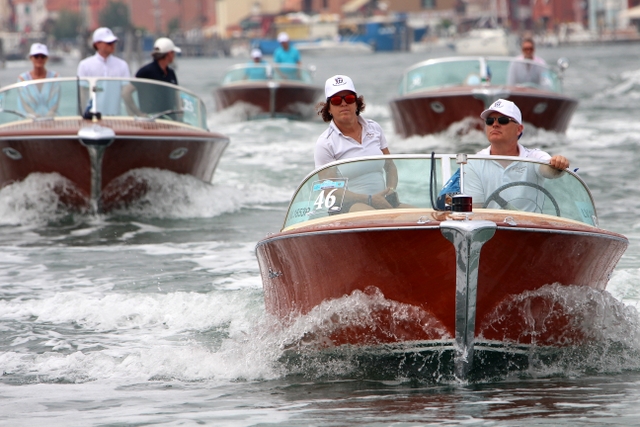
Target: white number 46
[328, 201]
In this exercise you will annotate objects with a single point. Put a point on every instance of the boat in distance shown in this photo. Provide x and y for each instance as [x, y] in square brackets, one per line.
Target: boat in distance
[493, 281]
[95, 132]
[333, 47]
[486, 41]
[269, 90]
[436, 93]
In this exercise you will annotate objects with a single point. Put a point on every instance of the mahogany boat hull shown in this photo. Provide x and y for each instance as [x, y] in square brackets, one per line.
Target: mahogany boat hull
[271, 99]
[414, 268]
[54, 147]
[428, 112]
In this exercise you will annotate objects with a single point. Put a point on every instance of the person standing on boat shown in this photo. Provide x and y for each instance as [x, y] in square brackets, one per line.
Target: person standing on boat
[40, 100]
[105, 64]
[287, 58]
[528, 68]
[528, 48]
[257, 69]
[371, 185]
[503, 128]
[164, 53]
[155, 98]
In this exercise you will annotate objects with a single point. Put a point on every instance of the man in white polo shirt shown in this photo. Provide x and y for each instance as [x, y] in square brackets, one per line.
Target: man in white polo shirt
[105, 64]
[503, 127]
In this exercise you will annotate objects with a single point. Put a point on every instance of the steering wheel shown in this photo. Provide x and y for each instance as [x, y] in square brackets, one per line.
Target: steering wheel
[495, 196]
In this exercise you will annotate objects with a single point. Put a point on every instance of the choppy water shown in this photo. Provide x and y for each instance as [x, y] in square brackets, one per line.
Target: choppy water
[155, 315]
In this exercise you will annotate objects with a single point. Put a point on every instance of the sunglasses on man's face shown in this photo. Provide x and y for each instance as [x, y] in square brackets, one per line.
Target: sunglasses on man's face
[337, 99]
[504, 120]
[527, 49]
[39, 56]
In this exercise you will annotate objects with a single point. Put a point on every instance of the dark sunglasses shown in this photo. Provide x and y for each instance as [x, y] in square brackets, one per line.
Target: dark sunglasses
[337, 99]
[39, 56]
[527, 48]
[504, 120]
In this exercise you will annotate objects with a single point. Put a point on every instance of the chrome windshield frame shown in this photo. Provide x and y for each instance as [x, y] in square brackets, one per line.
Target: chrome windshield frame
[445, 173]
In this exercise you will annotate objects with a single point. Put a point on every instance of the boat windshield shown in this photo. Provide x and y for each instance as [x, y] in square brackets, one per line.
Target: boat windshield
[252, 72]
[144, 99]
[423, 182]
[479, 71]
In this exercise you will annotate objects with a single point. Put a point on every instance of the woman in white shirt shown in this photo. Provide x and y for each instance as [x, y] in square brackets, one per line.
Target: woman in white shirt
[371, 184]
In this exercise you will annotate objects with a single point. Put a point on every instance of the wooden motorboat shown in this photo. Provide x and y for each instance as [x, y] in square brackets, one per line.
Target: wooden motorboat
[437, 93]
[264, 90]
[440, 278]
[95, 131]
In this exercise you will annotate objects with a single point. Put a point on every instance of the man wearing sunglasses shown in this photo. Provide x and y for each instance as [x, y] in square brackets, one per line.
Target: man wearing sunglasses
[105, 64]
[371, 185]
[503, 128]
[528, 69]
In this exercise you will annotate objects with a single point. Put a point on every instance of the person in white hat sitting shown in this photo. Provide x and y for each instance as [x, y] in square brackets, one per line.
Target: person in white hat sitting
[164, 53]
[348, 136]
[257, 69]
[40, 100]
[154, 98]
[105, 64]
[289, 58]
[503, 128]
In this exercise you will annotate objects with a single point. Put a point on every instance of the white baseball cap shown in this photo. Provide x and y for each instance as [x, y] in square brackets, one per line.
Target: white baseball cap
[256, 53]
[283, 37]
[104, 34]
[505, 107]
[165, 45]
[337, 84]
[38, 49]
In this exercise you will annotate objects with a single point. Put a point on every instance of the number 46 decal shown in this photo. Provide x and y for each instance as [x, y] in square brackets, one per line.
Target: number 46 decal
[328, 201]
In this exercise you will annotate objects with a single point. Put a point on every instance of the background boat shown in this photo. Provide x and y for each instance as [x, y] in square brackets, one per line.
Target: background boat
[269, 90]
[436, 93]
[486, 41]
[94, 136]
[333, 47]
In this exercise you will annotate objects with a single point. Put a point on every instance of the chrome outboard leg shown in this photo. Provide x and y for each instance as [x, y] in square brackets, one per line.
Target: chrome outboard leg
[467, 238]
[96, 138]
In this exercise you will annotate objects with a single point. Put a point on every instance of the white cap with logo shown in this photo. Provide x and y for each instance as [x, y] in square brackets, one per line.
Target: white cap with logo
[256, 53]
[165, 45]
[337, 84]
[104, 34]
[38, 49]
[283, 37]
[505, 107]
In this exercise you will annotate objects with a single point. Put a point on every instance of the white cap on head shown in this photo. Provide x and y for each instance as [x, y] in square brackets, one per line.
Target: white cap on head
[256, 53]
[165, 45]
[337, 84]
[38, 49]
[283, 37]
[104, 34]
[505, 107]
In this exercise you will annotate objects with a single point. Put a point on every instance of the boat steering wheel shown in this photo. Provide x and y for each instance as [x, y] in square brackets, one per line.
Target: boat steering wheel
[495, 196]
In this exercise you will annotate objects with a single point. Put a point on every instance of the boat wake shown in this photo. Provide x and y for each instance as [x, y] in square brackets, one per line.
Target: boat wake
[611, 329]
[39, 199]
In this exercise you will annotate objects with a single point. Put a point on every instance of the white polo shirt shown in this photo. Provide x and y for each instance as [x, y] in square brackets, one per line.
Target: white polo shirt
[96, 66]
[365, 177]
[483, 177]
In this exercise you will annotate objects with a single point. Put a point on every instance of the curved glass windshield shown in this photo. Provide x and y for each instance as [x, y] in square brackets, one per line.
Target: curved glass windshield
[143, 99]
[267, 72]
[508, 183]
[439, 73]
